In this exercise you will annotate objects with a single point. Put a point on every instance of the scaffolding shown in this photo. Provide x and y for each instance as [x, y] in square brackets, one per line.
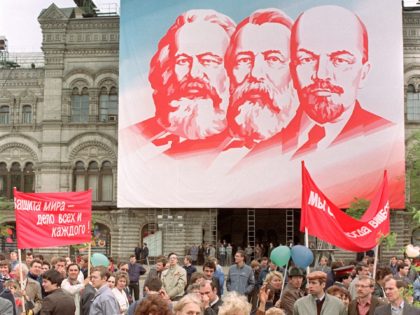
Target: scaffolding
[251, 227]
[290, 226]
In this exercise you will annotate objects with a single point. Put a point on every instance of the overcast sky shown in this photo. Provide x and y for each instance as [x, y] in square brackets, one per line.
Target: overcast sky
[19, 21]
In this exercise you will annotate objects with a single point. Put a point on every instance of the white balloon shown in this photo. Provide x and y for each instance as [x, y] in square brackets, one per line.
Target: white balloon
[411, 251]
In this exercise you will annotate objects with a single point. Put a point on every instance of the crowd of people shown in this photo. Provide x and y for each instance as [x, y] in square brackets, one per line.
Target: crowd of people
[64, 286]
[224, 251]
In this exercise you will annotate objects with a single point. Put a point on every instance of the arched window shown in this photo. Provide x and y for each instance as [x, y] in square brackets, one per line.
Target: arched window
[80, 106]
[3, 180]
[100, 180]
[16, 176]
[108, 105]
[26, 114]
[79, 174]
[4, 115]
[413, 104]
[93, 179]
[101, 242]
[28, 178]
[106, 181]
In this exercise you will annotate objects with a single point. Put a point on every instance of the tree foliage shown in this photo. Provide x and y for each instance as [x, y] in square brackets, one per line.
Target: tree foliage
[358, 207]
[356, 210]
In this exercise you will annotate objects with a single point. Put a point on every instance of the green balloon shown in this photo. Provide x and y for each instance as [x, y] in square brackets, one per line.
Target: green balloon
[280, 255]
[99, 259]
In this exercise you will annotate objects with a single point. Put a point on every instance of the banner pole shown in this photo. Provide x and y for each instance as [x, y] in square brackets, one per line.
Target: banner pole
[307, 245]
[21, 280]
[89, 254]
[284, 279]
[376, 261]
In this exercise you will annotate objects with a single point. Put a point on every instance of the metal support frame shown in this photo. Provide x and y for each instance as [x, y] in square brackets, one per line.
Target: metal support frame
[290, 226]
[251, 227]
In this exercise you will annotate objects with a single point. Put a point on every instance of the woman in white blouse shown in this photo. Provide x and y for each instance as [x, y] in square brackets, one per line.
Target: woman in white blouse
[121, 280]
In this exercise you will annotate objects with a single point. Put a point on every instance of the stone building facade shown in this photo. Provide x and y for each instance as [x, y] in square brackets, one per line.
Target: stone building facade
[58, 132]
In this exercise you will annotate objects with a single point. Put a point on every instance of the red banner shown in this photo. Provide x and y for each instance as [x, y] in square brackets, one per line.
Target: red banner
[52, 219]
[326, 221]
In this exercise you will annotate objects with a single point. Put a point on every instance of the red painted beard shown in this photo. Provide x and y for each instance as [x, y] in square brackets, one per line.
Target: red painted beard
[321, 108]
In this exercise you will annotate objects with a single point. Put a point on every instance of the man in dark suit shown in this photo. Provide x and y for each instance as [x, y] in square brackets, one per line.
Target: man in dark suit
[211, 301]
[57, 301]
[292, 291]
[397, 305]
[365, 303]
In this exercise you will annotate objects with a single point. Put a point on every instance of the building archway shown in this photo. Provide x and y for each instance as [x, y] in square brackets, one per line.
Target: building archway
[101, 241]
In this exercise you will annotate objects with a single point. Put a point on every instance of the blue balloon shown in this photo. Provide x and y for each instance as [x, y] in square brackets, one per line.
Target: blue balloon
[99, 259]
[302, 256]
[280, 255]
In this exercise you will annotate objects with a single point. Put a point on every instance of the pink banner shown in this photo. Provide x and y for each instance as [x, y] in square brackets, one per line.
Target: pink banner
[52, 219]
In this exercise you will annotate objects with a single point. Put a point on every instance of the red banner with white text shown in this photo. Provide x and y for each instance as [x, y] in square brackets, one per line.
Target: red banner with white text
[52, 219]
[329, 223]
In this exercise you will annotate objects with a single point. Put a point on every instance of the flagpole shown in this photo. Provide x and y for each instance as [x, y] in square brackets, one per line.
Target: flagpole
[376, 261]
[307, 245]
[21, 280]
[89, 254]
[284, 279]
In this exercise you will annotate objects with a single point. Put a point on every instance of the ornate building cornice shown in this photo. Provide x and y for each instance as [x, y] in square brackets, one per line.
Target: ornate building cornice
[94, 52]
[22, 146]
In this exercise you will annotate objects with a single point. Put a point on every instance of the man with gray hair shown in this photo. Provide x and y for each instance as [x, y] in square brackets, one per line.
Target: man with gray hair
[31, 288]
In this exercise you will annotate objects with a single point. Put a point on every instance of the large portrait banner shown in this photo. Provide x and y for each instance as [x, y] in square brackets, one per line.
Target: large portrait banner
[220, 101]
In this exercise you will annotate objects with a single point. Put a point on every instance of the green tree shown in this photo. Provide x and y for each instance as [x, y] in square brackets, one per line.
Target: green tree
[356, 210]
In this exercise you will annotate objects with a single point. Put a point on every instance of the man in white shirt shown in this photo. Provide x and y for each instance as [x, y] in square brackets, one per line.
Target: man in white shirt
[73, 285]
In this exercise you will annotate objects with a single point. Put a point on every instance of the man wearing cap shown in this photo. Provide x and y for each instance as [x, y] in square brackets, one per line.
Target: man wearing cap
[293, 290]
[365, 303]
[318, 302]
[342, 276]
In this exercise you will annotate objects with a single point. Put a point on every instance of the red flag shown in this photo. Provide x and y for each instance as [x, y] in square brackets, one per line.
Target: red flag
[326, 221]
[52, 219]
